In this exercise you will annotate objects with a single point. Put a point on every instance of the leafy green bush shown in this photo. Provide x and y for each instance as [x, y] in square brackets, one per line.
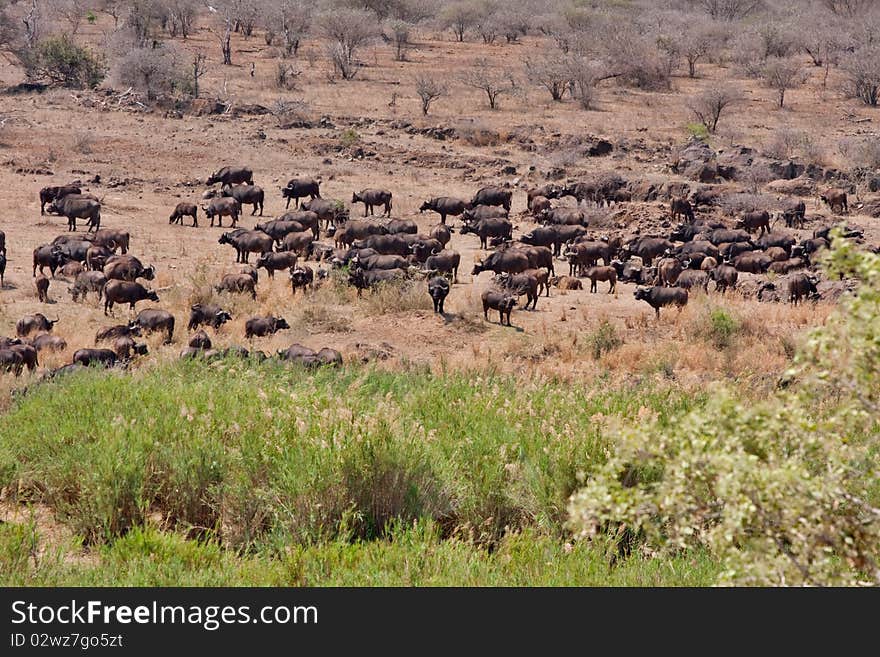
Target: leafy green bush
[720, 328]
[61, 62]
[698, 130]
[783, 492]
[604, 339]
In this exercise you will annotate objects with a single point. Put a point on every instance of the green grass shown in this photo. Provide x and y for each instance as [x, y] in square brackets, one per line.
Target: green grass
[262, 462]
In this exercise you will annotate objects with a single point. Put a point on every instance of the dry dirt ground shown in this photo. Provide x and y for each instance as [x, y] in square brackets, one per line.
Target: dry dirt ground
[150, 160]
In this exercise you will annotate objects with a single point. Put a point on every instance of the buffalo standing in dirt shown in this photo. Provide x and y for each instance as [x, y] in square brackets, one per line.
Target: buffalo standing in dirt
[75, 207]
[522, 284]
[232, 175]
[438, 290]
[492, 195]
[835, 198]
[127, 268]
[486, 228]
[725, 277]
[221, 207]
[47, 342]
[371, 198]
[511, 261]
[681, 207]
[301, 278]
[445, 262]
[49, 255]
[363, 279]
[800, 286]
[153, 320]
[255, 241]
[238, 283]
[41, 283]
[50, 194]
[117, 291]
[182, 210]
[752, 221]
[246, 195]
[657, 297]
[606, 273]
[503, 302]
[444, 206]
[273, 262]
[794, 214]
[298, 188]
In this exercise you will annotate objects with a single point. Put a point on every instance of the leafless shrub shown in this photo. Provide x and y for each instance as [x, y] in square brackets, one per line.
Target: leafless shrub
[429, 89]
[82, 142]
[634, 58]
[153, 70]
[493, 82]
[178, 16]
[710, 104]
[286, 76]
[861, 152]
[585, 74]
[551, 71]
[198, 66]
[782, 75]
[291, 113]
[737, 203]
[729, 10]
[460, 17]
[399, 36]
[862, 69]
[849, 8]
[347, 30]
[288, 19]
[786, 143]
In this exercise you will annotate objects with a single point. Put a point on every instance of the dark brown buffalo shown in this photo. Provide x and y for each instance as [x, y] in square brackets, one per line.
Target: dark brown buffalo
[486, 228]
[699, 247]
[582, 255]
[207, 313]
[782, 240]
[11, 361]
[127, 268]
[786, 266]
[262, 326]
[725, 276]
[298, 188]
[308, 219]
[540, 257]
[331, 211]
[50, 194]
[693, 278]
[72, 269]
[492, 195]
[246, 195]
[441, 233]
[277, 229]
[668, 271]
[606, 273]
[445, 262]
[42, 285]
[358, 230]
[721, 235]
[222, 207]
[794, 213]
[730, 250]
[563, 216]
[102, 357]
[424, 248]
[512, 261]
[300, 243]
[503, 302]
[112, 239]
[679, 207]
[657, 297]
[28, 353]
[543, 278]
[96, 257]
[444, 206]
[182, 210]
[754, 263]
[153, 320]
[539, 205]
[385, 244]
[200, 340]
[379, 261]
[548, 191]
[301, 278]
[752, 221]
[522, 284]
[296, 353]
[480, 212]
[125, 348]
[647, 248]
[836, 198]
[49, 255]
[371, 198]
[129, 292]
[34, 323]
[800, 286]
[363, 279]
[232, 175]
[566, 283]
[47, 342]
[250, 241]
[239, 283]
[273, 262]
[396, 226]
[111, 333]
[438, 290]
[75, 207]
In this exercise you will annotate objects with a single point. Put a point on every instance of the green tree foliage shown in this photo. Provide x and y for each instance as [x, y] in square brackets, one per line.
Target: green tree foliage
[61, 62]
[784, 492]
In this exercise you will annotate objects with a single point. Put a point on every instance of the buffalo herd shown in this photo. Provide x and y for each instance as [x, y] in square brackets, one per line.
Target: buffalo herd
[695, 252]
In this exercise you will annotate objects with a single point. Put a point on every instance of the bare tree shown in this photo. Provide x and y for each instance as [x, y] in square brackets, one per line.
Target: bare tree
[347, 30]
[585, 74]
[399, 31]
[289, 19]
[862, 69]
[551, 71]
[178, 16]
[152, 70]
[429, 89]
[223, 26]
[33, 23]
[493, 82]
[709, 105]
[782, 75]
[460, 17]
[72, 11]
[113, 8]
[729, 10]
[849, 8]
[199, 68]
